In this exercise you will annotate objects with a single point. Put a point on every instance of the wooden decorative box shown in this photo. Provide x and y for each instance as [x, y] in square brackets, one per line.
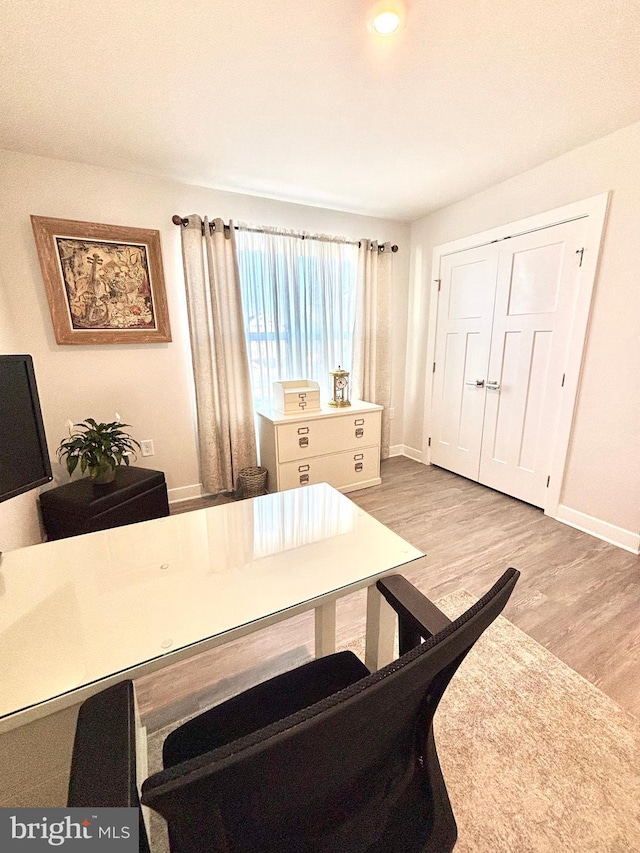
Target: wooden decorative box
[295, 396]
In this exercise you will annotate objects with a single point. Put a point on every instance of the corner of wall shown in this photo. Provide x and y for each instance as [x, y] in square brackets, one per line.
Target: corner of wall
[20, 522]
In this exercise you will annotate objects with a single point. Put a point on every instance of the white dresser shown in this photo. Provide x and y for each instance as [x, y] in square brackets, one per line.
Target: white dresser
[336, 446]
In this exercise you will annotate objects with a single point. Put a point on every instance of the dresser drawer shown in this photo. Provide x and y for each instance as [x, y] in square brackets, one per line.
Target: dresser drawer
[320, 436]
[339, 469]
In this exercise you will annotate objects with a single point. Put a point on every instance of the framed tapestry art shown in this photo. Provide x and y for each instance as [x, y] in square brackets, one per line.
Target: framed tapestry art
[105, 283]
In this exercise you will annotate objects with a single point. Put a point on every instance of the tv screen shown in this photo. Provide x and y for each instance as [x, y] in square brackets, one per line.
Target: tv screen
[24, 459]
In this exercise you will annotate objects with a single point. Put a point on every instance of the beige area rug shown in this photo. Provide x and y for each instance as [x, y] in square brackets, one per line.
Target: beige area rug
[536, 759]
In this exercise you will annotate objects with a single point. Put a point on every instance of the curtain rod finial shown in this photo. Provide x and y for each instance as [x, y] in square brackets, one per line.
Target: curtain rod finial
[178, 220]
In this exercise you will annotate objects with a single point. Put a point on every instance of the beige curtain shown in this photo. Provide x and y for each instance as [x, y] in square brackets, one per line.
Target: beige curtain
[371, 380]
[226, 432]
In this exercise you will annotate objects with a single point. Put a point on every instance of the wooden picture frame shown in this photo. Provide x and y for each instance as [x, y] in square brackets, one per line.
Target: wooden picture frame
[105, 283]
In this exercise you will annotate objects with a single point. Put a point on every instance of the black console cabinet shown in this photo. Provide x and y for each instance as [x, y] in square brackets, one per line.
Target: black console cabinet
[136, 494]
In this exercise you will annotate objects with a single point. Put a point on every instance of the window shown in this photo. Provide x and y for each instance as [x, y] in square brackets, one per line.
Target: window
[298, 297]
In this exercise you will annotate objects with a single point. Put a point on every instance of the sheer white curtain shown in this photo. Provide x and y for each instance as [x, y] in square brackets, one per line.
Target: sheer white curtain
[372, 335]
[298, 298]
[226, 433]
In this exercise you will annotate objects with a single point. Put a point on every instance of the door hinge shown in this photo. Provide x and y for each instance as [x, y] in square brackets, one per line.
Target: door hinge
[434, 367]
[548, 480]
[438, 282]
[563, 375]
[429, 445]
[581, 253]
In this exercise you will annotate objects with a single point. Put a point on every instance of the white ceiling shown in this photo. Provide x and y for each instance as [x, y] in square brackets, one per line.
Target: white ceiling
[297, 100]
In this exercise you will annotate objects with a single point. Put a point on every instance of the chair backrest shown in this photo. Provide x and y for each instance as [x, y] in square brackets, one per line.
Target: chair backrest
[338, 776]
[103, 763]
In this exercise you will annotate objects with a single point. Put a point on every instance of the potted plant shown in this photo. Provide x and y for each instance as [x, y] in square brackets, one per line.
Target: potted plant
[99, 448]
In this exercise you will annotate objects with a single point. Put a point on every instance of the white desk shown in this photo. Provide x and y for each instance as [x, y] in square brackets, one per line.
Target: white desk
[79, 614]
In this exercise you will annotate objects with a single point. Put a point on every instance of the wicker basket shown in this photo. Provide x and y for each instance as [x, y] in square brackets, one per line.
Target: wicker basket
[252, 482]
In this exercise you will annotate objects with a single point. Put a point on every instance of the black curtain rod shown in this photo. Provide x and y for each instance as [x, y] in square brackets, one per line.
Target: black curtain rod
[179, 220]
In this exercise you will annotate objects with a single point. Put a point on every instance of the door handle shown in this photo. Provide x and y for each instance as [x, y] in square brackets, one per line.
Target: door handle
[477, 383]
[493, 386]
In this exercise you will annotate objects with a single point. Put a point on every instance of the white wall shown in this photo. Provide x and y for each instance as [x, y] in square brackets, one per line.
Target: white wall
[603, 475]
[150, 385]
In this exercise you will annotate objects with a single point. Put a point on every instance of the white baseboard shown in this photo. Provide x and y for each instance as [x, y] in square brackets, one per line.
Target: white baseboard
[602, 529]
[185, 493]
[404, 450]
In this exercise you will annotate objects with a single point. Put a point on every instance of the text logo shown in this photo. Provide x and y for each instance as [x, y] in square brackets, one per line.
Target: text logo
[72, 830]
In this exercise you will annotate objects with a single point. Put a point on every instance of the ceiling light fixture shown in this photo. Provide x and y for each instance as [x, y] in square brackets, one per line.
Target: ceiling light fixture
[386, 17]
[386, 23]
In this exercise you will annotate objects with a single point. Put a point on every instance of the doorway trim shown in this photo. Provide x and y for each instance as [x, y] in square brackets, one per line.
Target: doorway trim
[595, 210]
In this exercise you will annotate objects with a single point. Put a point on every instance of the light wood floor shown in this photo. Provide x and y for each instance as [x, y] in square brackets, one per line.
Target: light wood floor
[577, 596]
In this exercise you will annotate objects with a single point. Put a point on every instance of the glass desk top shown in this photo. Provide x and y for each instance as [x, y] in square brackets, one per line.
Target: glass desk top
[77, 610]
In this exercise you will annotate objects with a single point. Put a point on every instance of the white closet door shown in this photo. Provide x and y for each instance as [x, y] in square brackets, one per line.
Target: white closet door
[537, 287]
[463, 337]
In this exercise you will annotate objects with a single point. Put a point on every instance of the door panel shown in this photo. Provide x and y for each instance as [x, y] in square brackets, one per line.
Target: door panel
[536, 291]
[535, 279]
[532, 437]
[506, 403]
[465, 316]
[460, 416]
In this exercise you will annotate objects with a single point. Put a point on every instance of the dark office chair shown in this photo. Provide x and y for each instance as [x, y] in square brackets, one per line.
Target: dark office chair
[327, 758]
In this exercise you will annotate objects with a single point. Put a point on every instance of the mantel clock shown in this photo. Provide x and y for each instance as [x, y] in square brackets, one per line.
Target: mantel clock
[340, 388]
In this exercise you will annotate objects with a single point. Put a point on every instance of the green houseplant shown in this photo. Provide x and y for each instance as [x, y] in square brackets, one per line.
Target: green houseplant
[98, 448]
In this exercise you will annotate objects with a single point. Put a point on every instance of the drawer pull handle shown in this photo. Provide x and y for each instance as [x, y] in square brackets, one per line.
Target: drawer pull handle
[358, 466]
[302, 396]
[304, 478]
[303, 430]
[359, 432]
[358, 456]
[359, 421]
[303, 467]
[304, 441]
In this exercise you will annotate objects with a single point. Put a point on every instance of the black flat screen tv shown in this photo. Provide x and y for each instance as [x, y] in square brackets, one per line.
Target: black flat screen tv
[24, 458]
